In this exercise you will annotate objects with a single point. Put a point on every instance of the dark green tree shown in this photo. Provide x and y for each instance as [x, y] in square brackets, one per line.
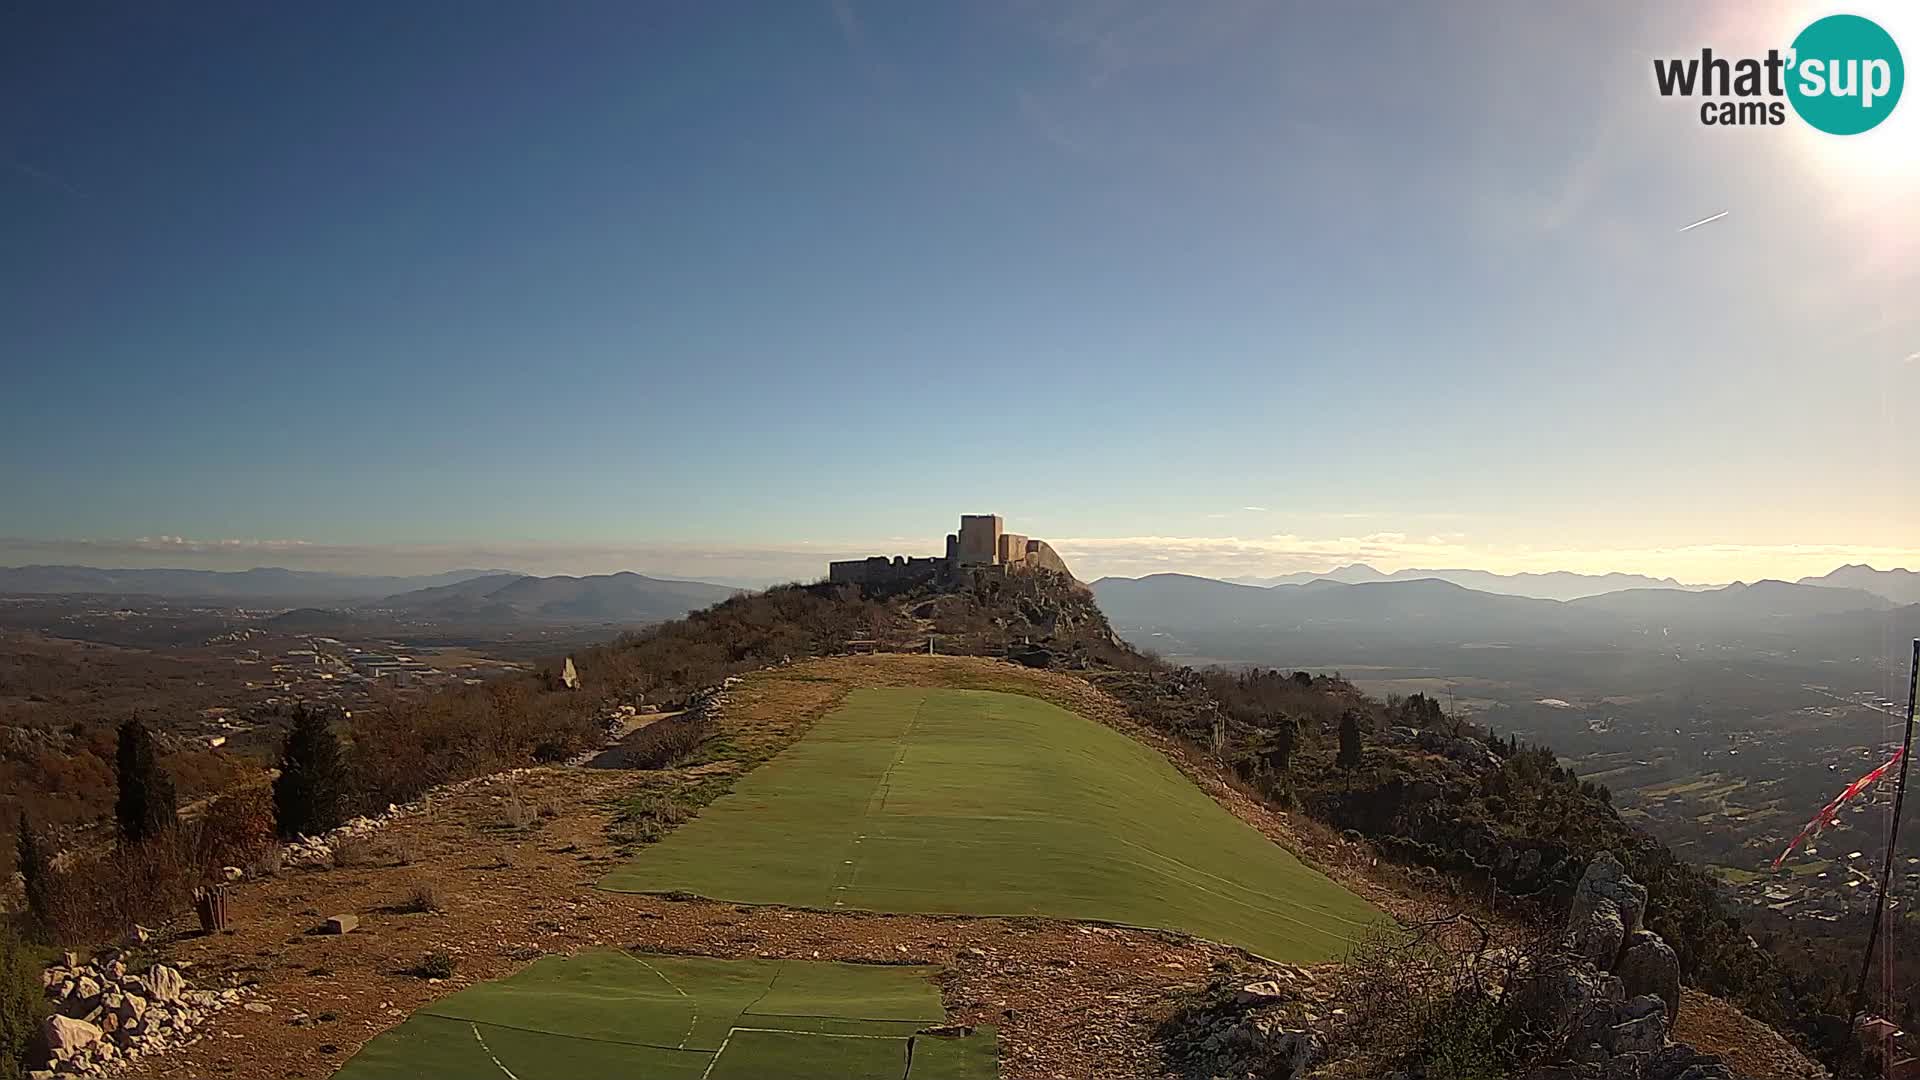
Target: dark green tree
[1350, 742]
[309, 795]
[36, 871]
[1280, 741]
[23, 1006]
[146, 806]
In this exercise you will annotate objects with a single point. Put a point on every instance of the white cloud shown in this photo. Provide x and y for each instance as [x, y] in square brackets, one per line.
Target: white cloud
[1255, 509]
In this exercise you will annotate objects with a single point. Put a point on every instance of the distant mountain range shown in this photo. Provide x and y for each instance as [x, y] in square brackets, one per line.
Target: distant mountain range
[1899, 586]
[457, 594]
[1556, 585]
[1442, 610]
[623, 597]
[267, 583]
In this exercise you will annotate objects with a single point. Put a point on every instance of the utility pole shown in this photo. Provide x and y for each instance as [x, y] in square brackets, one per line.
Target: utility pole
[1893, 836]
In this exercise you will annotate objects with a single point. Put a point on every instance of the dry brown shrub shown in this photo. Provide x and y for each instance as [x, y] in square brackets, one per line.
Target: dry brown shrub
[355, 851]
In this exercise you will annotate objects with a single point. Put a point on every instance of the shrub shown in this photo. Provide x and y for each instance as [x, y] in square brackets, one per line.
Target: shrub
[309, 796]
[423, 898]
[97, 897]
[438, 964]
[666, 742]
[516, 812]
[146, 805]
[22, 1008]
[237, 828]
[352, 851]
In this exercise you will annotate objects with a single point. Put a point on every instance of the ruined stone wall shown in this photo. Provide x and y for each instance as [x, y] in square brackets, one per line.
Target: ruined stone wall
[880, 570]
[1011, 549]
[1039, 553]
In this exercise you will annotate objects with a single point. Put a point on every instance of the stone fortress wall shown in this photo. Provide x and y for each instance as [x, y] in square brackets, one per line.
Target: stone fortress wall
[981, 546]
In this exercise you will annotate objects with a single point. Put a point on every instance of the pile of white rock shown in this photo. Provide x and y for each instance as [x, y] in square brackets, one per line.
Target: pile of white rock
[318, 850]
[105, 1016]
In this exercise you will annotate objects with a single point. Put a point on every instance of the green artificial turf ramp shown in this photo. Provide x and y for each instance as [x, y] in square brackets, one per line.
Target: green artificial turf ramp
[983, 803]
[758, 1055]
[975, 1057]
[607, 1013]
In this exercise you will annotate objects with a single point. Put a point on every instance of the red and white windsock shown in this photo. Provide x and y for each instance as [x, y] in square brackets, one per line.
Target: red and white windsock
[1827, 813]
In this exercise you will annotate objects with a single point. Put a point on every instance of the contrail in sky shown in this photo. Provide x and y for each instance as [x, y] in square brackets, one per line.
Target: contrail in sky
[1705, 220]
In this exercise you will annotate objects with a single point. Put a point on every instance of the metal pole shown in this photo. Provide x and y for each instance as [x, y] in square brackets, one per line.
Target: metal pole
[1893, 835]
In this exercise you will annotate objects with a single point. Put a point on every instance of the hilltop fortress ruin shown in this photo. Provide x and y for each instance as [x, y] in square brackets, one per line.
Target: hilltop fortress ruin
[981, 546]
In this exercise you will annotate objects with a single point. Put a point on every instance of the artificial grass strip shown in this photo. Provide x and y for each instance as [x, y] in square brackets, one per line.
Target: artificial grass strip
[786, 1055]
[936, 1057]
[606, 1013]
[983, 803]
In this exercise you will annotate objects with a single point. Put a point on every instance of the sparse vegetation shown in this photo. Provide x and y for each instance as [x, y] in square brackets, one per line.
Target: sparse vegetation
[437, 964]
[355, 851]
[22, 1006]
[666, 742]
[422, 899]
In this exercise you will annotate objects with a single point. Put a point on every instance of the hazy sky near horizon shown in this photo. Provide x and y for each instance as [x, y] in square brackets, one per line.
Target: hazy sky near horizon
[724, 289]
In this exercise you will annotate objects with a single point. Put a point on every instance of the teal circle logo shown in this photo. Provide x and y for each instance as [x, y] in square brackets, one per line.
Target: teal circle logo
[1845, 74]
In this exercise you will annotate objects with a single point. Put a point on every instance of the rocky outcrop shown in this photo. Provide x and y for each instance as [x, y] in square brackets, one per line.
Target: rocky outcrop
[1272, 1028]
[1604, 897]
[1614, 990]
[105, 1016]
[1650, 966]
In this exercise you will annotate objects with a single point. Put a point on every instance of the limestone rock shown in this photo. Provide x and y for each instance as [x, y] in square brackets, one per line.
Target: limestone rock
[1260, 993]
[1606, 879]
[1649, 966]
[66, 1036]
[86, 988]
[1597, 933]
[165, 984]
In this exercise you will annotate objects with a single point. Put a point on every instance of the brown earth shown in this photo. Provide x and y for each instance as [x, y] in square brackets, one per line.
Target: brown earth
[1070, 1001]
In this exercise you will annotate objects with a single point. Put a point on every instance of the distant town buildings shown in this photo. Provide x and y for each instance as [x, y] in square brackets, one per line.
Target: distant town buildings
[981, 546]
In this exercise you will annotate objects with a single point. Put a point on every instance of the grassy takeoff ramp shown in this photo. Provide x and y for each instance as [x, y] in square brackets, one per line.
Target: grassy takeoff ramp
[616, 1014]
[981, 803]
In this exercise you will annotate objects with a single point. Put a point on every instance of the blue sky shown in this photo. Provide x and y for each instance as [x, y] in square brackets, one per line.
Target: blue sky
[1227, 288]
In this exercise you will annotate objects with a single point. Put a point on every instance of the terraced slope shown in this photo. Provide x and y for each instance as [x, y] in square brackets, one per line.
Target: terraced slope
[983, 803]
[609, 1013]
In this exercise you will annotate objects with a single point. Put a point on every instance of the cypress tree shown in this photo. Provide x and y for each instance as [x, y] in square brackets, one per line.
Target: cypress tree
[146, 806]
[36, 871]
[1350, 745]
[310, 792]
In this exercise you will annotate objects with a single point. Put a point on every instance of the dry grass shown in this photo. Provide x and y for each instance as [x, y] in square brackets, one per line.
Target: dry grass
[355, 851]
[422, 899]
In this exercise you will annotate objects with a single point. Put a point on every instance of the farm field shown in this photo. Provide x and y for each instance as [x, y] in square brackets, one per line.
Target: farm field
[983, 803]
[613, 1013]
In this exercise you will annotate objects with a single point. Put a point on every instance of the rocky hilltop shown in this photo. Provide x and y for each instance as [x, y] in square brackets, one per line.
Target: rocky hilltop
[478, 862]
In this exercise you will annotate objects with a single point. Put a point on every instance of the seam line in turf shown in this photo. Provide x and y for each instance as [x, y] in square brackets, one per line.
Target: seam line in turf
[477, 1037]
[692, 1023]
[880, 790]
[560, 1034]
